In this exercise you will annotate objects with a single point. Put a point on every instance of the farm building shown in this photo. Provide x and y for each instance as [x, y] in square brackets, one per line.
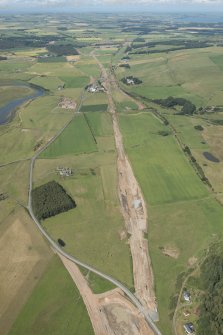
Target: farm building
[94, 88]
[64, 172]
[186, 296]
[189, 328]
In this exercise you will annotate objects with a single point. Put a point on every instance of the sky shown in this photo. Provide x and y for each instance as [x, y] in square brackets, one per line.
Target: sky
[113, 5]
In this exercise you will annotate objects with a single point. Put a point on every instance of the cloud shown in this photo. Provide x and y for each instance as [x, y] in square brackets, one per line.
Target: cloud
[92, 3]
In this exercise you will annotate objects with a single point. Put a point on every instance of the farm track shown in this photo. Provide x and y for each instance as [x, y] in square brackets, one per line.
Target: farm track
[142, 310]
[133, 210]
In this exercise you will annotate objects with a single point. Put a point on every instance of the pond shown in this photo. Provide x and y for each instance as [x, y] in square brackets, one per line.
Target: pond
[8, 111]
[210, 157]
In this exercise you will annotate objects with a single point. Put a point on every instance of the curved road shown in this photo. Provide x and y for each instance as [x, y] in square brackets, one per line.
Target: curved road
[130, 295]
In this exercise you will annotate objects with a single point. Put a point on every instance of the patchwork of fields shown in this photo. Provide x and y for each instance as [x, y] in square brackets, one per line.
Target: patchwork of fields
[87, 147]
[184, 214]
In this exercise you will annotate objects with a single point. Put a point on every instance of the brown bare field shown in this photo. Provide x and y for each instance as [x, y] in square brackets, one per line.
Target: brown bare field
[24, 256]
[170, 252]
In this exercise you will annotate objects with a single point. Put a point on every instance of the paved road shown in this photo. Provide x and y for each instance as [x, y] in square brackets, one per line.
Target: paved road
[130, 295]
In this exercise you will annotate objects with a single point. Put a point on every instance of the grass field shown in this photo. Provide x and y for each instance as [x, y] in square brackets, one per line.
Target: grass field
[187, 228]
[75, 82]
[94, 108]
[93, 186]
[77, 138]
[100, 123]
[48, 82]
[55, 306]
[96, 99]
[23, 260]
[35, 123]
[179, 205]
[14, 181]
[218, 60]
[8, 93]
[191, 74]
[183, 214]
[184, 126]
[164, 173]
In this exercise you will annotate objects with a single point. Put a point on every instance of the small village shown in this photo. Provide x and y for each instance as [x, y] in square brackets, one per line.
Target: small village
[188, 326]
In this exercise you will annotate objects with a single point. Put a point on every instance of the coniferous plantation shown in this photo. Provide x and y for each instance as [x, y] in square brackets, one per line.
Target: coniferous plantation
[50, 199]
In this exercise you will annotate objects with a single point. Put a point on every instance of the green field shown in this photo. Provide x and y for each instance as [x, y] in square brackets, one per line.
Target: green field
[100, 123]
[162, 169]
[93, 186]
[189, 74]
[218, 60]
[94, 108]
[74, 82]
[188, 134]
[77, 138]
[36, 123]
[8, 93]
[183, 214]
[55, 306]
[48, 82]
[188, 228]
[179, 205]
[96, 221]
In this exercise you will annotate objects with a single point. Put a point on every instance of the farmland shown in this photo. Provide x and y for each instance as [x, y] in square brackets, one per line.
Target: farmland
[93, 188]
[167, 57]
[179, 204]
[77, 138]
[164, 173]
[61, 310]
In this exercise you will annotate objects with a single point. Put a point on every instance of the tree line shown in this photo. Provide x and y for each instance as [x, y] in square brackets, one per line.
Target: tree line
[187, 107]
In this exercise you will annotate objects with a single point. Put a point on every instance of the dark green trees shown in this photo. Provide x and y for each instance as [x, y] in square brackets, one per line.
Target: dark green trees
[187, 107]
[50, 199]
[211, 309]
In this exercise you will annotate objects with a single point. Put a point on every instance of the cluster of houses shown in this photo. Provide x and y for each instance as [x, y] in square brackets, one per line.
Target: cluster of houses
[64, 171]
[95, 88]
[188, 327]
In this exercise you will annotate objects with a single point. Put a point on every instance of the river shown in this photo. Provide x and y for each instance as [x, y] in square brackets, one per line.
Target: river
[8, 111]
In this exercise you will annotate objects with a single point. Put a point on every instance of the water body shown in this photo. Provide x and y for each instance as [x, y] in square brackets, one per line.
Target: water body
[8, 111]
[210, 157]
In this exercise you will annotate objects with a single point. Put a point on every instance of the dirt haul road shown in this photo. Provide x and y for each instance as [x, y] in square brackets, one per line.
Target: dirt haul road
[134, 212]
[110, 313]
